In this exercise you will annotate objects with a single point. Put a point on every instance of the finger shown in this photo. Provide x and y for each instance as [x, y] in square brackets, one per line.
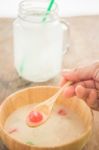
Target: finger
[80, 89]
[69, 91]
[79, 74]
[89, 95]
[62, 81]
[87, 84]
[82, 92]
[92, 98]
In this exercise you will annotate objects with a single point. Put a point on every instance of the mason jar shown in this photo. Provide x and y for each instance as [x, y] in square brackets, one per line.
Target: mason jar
[38, 41]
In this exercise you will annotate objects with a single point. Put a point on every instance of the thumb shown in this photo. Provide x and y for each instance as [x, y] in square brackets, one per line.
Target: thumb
[79, 74]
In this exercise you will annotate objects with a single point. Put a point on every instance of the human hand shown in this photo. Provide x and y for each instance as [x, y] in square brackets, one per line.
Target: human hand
[85, 84]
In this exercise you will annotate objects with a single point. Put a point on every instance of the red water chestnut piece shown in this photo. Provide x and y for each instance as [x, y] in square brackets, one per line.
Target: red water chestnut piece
[13, 130]
[35, 117]
[62, 112]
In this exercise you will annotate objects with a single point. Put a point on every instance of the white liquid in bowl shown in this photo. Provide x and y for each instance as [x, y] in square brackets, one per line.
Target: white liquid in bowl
[58, 129]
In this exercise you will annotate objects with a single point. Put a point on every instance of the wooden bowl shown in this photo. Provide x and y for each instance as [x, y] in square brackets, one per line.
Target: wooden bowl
[38, 94]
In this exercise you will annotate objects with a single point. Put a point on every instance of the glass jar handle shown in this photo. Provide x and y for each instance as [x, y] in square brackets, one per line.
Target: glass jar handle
[66, 39]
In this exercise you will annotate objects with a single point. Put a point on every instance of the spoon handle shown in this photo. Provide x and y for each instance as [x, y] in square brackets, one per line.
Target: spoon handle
[54, 97]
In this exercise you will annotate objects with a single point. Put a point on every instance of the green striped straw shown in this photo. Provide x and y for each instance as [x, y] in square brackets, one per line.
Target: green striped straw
[48, 10]
[21, 67]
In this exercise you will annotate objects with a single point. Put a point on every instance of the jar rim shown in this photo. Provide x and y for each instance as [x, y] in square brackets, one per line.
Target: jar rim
[23, 4]
[37, 8]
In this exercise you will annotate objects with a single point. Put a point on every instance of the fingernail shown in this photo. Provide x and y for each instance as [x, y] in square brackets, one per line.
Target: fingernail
[64, 71]
[61, 83]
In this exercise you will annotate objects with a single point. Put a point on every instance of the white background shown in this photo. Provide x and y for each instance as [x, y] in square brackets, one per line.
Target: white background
[8, 8]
